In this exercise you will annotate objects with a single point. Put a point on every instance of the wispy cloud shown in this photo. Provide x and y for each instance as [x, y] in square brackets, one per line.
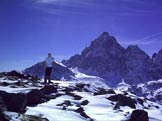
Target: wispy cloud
[87, 7]
[151, 39]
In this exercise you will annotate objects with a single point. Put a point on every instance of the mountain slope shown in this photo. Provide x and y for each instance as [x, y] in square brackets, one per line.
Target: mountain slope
[106, 58]
[136, 65]
[102, 58]
[59, 72]
[156, 67]
[71, 101]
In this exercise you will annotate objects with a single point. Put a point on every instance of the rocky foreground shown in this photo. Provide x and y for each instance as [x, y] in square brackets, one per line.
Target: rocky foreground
[26, 98]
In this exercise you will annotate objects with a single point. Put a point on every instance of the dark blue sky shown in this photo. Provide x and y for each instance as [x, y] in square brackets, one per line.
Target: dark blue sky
[29, 29]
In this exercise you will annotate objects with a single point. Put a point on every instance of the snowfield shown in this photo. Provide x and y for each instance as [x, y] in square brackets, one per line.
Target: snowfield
[98, 108]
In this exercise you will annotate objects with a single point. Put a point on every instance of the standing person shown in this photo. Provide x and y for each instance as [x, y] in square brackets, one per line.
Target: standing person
[49, 64]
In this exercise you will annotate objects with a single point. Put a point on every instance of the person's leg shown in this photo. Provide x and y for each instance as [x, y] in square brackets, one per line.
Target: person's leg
[46, 75]
[50, 71]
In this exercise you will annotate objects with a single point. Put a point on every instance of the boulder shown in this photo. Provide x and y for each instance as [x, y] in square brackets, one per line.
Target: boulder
[113, 98]
[122, 100]
[3, 117]
[79, 110]
[139, 115]
[14, 102]
[48, 89]
[34, 97]
[2, 105]
[85, 102]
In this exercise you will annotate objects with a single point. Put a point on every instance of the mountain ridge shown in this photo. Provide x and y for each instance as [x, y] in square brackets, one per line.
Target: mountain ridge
[106, 58]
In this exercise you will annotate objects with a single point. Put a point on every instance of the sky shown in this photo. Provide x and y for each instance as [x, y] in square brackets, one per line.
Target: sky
[29, 29]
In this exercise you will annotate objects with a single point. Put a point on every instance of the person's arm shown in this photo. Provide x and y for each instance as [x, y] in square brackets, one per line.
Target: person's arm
[53, 62]
[44, 61]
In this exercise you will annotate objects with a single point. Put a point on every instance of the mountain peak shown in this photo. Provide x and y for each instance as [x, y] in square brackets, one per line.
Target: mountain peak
[104, 36]
[133, 47]
[104, 41]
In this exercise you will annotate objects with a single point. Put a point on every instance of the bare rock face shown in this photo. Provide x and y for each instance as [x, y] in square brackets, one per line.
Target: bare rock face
[136, 65]
[102, 58]
[156, 68]
[106, 58]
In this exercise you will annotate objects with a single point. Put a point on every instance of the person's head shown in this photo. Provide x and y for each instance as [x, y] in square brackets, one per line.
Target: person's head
[49, 54]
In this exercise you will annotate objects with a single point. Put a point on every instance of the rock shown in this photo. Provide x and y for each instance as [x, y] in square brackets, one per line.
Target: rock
[136, 65]
[3, 117]
[34, 97]
[76, 97]
[122, 100]
[156, 67]
[159, 97]
[110, 91]
[79, 110]
[139, 115]
[49, 97]
[140, 101]
[68, 89]
[113, 98]
[34, 118]
[48, 89]
[102, 58]
[105, 55]
[5, 84]
[2, 105]
[86, 116]
[14, 102]
[66, 102]
[85, 102]
[16, 74]
[2, 74]
[102, 91]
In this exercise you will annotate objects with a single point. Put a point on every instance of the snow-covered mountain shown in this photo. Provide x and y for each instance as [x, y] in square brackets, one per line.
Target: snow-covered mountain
[60, 72]
[25, 98]
[152, 90]
[107, 59]
[102, 58]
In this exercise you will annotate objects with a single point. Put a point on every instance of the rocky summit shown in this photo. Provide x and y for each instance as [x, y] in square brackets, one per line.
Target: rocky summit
[106, 58]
